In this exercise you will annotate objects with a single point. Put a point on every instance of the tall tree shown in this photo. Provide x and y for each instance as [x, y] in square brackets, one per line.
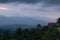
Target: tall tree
[17, 34]
[38, 26]
[58, 21]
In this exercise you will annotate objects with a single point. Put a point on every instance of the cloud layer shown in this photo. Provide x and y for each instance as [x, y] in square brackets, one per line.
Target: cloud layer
[31, 8]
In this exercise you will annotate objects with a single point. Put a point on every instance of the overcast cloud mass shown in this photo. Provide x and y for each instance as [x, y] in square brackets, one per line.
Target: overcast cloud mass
[30, 8]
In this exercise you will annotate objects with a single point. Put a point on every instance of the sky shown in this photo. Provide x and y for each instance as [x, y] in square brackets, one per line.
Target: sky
[30, 8]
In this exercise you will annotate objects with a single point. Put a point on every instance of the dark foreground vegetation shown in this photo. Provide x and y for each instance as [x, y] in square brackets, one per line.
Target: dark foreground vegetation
[38, 33]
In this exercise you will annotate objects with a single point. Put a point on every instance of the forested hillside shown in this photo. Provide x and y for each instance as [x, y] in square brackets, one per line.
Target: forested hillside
[38, 33]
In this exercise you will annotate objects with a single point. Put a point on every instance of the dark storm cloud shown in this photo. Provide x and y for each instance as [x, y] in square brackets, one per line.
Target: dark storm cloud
[21, 1]
[54, 1]
[32, 1]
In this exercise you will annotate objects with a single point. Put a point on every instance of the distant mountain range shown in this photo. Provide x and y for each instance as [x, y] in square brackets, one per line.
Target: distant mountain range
[14, 27]
[4, 20]
[13, 23]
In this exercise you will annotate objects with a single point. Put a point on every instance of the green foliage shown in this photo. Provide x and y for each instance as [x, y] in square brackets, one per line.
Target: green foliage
[58, 29]
[44, 33]
[5, 36]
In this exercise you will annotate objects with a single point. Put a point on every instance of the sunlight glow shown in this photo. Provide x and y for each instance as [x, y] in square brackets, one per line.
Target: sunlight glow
[3, 8]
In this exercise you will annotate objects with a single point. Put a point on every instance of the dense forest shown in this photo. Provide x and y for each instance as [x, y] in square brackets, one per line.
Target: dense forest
[38, 33]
